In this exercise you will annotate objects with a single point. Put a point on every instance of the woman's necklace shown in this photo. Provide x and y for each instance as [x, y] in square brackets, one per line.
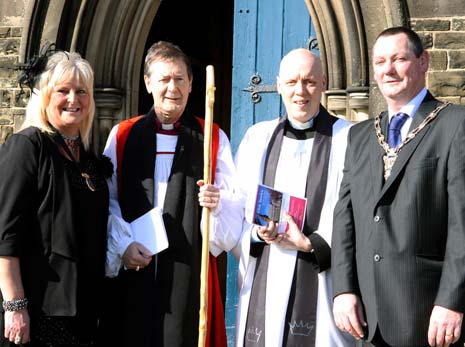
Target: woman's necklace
[71, 138]
[71, 145]
[392, 153]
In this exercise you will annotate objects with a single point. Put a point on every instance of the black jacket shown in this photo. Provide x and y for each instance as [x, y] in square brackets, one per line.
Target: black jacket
[400, 244]
[37, 222]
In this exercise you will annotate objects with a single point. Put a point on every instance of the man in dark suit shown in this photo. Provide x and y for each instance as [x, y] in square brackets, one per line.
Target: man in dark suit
[398, 247]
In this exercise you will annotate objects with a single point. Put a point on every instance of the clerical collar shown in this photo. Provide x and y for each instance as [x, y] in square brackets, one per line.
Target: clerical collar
[298, 134]
[300, 131]
[168, 129]
[302, 126]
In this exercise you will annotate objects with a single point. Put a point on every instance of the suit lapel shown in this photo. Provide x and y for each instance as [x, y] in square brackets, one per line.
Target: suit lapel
[428, 105]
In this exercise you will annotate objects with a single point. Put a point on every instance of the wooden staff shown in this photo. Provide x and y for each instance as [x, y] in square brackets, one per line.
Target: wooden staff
[207, 149]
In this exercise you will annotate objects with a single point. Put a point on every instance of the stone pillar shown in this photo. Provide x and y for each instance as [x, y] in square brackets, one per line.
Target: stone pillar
[351, 103]
[336, 102]
[108, 101]
[357, 103]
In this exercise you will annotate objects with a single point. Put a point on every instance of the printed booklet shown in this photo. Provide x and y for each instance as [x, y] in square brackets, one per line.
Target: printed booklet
[271, 204]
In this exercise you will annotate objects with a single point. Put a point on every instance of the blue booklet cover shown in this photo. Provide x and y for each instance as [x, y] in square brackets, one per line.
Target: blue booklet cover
[271, 204]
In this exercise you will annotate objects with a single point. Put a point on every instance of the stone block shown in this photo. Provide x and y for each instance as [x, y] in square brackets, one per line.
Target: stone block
[426, 39]
[12, 12]
[438, 60]
[447, 83]
[430, 24]
[457, 59]
[435, 8]
[16, 32]
[18, 118]
[9, 83]
[451, 99]
[458, 24]
[5, 132]
[5, 32]
[8, 62]
[21, 98]
[18, 112]
[6, 118]
[450, 40]
[5, 98]
[7, 73]
[9, 46]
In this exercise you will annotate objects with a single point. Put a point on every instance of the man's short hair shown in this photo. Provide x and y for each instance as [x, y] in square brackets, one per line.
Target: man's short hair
[166, 51]
[414, 40]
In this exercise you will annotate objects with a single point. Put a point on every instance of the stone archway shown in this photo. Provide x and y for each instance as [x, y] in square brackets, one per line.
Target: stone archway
[112, 35]
[345, 32]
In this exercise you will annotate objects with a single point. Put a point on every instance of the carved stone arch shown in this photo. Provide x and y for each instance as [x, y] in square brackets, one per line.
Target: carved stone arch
[341, 37]
[345, 31]
[113, 36]
[41, 25]
[384, 14]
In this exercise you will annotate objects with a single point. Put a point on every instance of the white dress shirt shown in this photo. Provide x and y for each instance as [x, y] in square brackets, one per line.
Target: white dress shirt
[410, 108]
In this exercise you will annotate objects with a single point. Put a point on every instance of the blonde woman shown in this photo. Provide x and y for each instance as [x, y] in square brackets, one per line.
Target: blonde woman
[54, 212]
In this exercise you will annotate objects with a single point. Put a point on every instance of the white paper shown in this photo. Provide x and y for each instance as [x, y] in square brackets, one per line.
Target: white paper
[149, 230]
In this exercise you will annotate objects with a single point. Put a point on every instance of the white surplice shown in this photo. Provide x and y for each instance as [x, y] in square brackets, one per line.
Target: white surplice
[223, 235]
[290, 177]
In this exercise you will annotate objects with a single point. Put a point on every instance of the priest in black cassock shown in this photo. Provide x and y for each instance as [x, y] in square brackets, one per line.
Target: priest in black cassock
[286, 297]
[156, 198]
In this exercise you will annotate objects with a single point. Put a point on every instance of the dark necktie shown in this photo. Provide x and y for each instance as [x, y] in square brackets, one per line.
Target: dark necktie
[397, 121]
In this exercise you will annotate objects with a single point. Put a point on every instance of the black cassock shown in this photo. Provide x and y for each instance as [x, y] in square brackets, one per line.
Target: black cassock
[159, 305]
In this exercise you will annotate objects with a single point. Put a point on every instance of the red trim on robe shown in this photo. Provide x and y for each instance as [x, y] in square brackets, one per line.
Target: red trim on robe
[121, 136]
[216, 326]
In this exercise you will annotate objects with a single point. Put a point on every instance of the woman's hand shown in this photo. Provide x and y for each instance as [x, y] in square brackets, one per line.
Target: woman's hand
[16, 322]
[17, 326]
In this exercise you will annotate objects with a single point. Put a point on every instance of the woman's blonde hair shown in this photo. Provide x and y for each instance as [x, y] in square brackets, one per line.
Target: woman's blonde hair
[61, 66]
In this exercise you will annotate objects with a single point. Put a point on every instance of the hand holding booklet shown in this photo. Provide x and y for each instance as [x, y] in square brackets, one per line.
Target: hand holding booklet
[271, 204]
[149, 230]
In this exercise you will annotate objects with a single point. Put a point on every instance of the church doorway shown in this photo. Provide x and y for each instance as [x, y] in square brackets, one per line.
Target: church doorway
[204, 31]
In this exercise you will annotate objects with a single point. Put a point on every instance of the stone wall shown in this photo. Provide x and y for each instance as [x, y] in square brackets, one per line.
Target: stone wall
[444, 37]
[12, 103]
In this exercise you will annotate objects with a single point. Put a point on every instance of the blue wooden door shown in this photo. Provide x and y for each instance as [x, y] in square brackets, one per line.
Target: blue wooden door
[264, 31]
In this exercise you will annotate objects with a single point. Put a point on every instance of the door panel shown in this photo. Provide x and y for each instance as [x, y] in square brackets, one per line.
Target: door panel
[264, 31]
